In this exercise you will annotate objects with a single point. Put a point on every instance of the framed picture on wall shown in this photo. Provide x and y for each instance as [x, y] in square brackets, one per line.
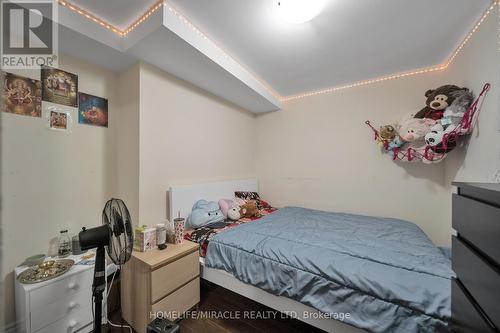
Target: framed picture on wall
[58, 119]
[22, 95]
[92, 110]
[59, 87]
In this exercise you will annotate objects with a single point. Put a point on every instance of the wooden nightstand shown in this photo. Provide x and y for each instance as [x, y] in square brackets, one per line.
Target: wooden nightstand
[166, 281]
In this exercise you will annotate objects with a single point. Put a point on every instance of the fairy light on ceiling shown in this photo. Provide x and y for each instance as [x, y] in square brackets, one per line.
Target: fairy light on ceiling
[161, 3]
[436, 68]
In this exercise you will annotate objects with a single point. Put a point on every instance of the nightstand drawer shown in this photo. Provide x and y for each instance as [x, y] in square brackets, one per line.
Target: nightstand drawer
[61, 289]
[480, 279]
[52, 312]
[173, 275]
[466, 317]
[479, 223]
[181, 300]
[71, 323]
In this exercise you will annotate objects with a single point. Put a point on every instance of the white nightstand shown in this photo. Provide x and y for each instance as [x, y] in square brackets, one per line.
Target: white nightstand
[63, 304]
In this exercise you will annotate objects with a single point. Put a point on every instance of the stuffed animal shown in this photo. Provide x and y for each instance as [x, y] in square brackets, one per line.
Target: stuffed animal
[438, 100]
[234, 213]
[387, 133]
[435, 139]
[413, 131]
[204, 213]
[225, 205]
[249, 209]
[395, 143]
[455, 112]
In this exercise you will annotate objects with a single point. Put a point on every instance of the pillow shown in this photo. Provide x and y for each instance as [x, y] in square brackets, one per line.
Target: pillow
[261, 204]
[205, 213]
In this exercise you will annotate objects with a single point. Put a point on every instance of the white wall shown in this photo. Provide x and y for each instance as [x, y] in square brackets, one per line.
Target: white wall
[478, 63]
[187, 135]
[52, 180]
[317, 152]
[127, 140]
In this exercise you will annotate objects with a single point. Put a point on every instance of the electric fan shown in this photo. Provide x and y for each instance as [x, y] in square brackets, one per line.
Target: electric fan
[116, 235]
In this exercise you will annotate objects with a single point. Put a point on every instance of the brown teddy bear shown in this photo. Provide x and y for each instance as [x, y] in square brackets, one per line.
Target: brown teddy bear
[437, 101]
[249, 210]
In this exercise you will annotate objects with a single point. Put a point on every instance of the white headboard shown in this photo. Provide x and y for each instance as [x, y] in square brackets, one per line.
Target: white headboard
[183, 197]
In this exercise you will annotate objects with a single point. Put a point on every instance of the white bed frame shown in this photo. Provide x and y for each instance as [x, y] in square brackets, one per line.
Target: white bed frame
[182, 198]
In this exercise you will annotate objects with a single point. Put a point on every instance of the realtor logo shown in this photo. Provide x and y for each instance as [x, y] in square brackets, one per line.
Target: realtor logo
[29, 34]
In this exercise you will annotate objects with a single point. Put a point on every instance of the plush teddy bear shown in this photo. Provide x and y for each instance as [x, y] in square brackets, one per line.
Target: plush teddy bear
[413, 131]
[249, 209]
[438, 100]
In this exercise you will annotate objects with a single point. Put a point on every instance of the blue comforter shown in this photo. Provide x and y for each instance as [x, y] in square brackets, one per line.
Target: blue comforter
[385, 273]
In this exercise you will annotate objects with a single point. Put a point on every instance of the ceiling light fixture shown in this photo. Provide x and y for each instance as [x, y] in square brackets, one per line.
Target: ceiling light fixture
[299, 11]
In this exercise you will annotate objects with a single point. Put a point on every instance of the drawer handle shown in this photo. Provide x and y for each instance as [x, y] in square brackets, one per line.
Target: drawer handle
[72, 324]
[72, 305]
[72, 285]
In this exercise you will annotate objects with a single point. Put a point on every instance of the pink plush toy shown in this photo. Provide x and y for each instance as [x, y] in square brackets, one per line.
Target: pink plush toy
[413, 131]
[225, 205]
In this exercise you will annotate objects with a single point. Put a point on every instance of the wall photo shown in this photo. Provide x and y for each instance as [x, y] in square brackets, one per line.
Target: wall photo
[59, 87]
[58, 120]
[92, 110]
[22, 96]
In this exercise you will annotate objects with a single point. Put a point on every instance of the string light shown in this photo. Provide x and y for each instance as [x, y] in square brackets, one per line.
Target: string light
[225, 53]
[91, 17]
[441, 67]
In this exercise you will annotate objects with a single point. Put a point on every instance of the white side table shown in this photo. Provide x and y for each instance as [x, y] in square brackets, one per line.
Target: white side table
[63, 304]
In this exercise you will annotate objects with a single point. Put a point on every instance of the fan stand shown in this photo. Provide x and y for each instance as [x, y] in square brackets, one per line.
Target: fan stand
[98, 287]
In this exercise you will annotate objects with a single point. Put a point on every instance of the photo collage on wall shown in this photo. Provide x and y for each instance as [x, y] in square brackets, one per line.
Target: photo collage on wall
[25, 96]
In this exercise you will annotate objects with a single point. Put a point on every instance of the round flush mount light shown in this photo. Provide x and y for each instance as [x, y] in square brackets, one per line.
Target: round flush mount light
[299, 11]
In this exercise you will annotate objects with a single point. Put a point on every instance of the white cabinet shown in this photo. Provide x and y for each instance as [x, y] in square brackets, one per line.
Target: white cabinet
[63, 304]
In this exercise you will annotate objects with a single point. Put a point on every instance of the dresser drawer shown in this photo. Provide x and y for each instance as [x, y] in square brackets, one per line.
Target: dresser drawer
[61, 289]
[178, 302]
[71, 323]
[465, 316]
[52, 312]
[166, 279]
[479, 223]
[479, 278]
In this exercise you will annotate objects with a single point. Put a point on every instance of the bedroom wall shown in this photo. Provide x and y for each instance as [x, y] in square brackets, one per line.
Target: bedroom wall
[318, 153]
[127, 139]
[187, 135]
[479, 62]
[52, 180]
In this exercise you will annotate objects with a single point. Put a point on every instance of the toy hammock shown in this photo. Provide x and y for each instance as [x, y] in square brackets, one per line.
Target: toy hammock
[429, 154]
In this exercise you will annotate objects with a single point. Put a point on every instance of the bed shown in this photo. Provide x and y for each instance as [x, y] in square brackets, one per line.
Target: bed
[333, 270]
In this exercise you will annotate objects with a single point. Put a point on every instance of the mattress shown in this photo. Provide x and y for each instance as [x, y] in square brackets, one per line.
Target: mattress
[385, 273]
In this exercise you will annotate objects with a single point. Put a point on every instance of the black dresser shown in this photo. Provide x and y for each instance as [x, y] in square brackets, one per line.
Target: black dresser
[475, 299]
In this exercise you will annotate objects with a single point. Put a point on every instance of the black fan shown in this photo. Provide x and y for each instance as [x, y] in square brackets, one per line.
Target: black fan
[116, 235]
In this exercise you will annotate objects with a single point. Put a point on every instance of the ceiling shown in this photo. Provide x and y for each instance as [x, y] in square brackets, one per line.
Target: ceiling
[120, 13]
[269, 60]
[351, 40]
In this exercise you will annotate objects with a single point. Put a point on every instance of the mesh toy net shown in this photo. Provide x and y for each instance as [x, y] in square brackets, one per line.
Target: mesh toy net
[429, 154]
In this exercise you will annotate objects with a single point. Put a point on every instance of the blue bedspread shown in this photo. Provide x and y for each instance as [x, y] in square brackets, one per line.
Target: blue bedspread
[385, 273]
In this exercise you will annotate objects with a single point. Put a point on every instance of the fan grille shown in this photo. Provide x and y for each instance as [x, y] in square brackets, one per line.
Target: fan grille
[117, 217]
